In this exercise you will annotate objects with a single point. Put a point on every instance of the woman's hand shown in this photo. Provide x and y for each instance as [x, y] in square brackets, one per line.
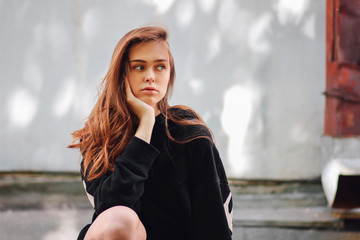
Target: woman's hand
[144, 112]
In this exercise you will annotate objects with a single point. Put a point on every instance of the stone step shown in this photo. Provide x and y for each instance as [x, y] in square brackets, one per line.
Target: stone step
[256, 203]
[65, 223]
[303, 217]
[43, 190]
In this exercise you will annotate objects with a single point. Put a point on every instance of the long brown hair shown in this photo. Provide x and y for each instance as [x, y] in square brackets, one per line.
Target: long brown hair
[110, 125]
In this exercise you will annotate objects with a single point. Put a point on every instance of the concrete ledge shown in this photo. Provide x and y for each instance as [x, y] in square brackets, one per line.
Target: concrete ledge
[280, 204]
[38, 190]
[313, 217]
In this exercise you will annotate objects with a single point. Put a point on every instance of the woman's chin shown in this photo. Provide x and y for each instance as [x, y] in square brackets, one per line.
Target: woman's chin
[148, 101]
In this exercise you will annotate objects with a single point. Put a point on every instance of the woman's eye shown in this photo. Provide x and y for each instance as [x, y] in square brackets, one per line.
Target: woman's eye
[139, 67]
[161, 67]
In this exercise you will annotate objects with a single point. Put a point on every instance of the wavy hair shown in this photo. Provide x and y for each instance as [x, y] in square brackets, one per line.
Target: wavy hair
[110, 125]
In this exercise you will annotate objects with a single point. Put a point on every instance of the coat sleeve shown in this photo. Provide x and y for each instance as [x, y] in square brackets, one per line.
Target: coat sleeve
[210, 194]
[125, 185]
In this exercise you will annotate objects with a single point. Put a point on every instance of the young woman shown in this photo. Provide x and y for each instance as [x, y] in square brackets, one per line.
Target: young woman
[151, 171]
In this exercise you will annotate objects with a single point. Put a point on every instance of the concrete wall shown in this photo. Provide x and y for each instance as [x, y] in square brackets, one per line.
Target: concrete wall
[255, 71]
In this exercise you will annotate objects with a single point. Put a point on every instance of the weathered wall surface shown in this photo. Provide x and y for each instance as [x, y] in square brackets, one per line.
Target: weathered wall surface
[255, 71]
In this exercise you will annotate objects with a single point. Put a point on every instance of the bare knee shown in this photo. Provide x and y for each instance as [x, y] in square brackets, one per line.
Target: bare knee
[117, 223]
[121, 220]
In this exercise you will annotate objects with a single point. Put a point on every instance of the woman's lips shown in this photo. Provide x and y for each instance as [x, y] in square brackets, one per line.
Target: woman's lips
[149, 90]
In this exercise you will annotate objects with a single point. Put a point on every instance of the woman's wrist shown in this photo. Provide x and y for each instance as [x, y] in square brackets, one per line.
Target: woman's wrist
[144, 130]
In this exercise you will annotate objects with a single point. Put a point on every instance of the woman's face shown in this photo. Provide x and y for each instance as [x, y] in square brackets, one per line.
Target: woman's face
[149, 72]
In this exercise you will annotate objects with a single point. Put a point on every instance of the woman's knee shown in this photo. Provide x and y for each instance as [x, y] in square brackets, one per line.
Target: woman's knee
[122, 218]
[117, 223]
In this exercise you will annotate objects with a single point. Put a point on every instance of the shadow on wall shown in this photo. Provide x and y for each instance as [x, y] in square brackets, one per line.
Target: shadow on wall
[250, 68]
[272, 114]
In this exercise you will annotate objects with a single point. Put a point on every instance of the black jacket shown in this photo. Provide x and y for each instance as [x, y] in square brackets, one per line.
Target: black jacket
[179, 191]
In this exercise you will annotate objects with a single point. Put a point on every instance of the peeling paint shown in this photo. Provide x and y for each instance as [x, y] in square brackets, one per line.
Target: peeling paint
[342, 113]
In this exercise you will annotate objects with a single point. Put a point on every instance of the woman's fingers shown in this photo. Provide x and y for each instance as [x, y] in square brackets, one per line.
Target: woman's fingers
[129, 93]
[144, 112]
[140, 108]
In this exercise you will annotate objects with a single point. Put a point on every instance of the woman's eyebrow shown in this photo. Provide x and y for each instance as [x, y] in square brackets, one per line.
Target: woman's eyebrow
[138, 60]
[143, 61]
[161, 60]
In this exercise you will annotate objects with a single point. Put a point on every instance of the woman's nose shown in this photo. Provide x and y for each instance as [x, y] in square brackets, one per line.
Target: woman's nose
[150, 76]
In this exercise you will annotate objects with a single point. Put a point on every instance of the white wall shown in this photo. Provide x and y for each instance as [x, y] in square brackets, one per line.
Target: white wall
[255, 71]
